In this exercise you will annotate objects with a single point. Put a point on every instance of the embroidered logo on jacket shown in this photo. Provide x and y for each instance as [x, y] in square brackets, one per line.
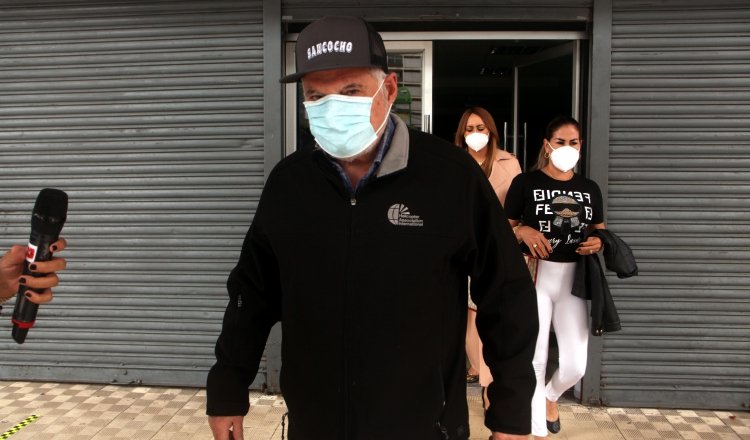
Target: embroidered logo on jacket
[399, 215]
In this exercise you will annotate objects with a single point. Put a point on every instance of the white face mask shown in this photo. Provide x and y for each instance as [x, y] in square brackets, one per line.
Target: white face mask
[477, 141]
[564, 158]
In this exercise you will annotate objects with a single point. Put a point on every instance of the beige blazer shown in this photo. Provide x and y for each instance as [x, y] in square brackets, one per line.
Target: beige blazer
[505, 168]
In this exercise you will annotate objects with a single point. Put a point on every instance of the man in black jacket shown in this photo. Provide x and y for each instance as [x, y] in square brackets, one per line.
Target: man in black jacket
[362, 248]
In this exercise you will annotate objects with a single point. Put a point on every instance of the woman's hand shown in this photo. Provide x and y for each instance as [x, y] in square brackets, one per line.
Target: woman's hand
[590, 246]
[11, 271]
[539, 246]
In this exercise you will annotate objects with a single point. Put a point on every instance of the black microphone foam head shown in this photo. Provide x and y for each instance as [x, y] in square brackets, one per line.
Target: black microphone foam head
[50, 211]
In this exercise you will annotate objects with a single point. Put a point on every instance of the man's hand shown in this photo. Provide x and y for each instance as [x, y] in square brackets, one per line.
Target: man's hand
[501, 436]
[11, 269]
[220, 427]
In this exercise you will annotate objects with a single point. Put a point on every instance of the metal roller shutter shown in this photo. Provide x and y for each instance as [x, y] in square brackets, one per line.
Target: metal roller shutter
[679, 192]
[442, 10]
[149, 114]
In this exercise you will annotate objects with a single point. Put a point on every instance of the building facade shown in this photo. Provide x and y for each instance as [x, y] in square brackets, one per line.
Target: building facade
[162, 118]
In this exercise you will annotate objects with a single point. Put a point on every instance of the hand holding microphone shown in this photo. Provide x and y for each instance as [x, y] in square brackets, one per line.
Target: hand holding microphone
[39, 287]
[47, 220]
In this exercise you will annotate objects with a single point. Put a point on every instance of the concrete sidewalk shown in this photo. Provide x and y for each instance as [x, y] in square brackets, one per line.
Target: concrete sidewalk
[108, 412]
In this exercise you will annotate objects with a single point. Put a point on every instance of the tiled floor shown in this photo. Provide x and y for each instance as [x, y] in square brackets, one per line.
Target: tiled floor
[108, 412]
[589, 423]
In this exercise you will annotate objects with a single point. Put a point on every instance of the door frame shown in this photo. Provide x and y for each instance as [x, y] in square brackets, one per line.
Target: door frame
[597, 114]
[425, 48]
[417, 41]
[571, 48]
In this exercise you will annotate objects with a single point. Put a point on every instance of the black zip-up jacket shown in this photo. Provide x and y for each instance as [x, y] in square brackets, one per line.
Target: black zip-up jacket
[589, 281]
[371, 291]
[618, 257]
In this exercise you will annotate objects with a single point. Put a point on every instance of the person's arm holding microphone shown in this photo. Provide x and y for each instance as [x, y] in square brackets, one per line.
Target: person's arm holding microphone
[40, 287]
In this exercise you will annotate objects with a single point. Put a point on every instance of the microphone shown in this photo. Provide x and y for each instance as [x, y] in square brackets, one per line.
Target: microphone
[47, 219]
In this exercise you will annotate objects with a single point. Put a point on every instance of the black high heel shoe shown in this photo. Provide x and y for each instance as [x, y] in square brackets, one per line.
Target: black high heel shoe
[554, 427]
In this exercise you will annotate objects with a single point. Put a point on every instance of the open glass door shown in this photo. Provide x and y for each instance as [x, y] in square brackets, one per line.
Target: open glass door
[412, 63]
[546, 85]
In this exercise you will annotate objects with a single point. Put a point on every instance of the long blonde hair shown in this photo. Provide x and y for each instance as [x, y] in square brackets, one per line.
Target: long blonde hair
[492, 145]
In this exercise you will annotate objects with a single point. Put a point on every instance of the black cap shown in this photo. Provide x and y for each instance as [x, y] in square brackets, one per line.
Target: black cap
[337, 43]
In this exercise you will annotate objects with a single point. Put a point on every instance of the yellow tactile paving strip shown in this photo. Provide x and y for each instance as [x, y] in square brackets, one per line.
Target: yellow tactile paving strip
[110, 412]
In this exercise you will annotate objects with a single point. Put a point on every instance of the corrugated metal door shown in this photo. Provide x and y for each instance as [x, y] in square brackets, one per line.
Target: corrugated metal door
[149, 114]
[442, 10]
[679, 191]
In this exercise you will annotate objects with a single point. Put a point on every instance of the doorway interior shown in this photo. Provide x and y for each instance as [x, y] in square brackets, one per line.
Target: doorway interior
[522, 79]
[522, 83]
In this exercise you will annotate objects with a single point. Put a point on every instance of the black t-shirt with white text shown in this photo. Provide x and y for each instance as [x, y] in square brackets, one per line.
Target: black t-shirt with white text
[561, 209]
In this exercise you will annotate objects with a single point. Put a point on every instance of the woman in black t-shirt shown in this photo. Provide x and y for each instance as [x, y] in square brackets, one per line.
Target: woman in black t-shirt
[551, 210]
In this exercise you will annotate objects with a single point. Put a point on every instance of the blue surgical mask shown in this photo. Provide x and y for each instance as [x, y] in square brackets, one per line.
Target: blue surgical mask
[341, 124]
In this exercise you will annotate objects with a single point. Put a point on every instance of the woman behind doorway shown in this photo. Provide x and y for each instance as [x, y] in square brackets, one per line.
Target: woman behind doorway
[477, 134]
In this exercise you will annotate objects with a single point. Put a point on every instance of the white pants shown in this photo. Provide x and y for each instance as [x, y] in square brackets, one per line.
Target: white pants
[568, 315]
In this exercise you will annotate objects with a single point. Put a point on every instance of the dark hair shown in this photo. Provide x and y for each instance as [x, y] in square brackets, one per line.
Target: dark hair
[555, 124]
[560, 121]
[493, 143]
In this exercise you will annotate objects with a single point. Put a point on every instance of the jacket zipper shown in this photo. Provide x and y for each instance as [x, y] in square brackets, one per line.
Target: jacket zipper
[345, 432]
[345, 330]
[443, 430]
